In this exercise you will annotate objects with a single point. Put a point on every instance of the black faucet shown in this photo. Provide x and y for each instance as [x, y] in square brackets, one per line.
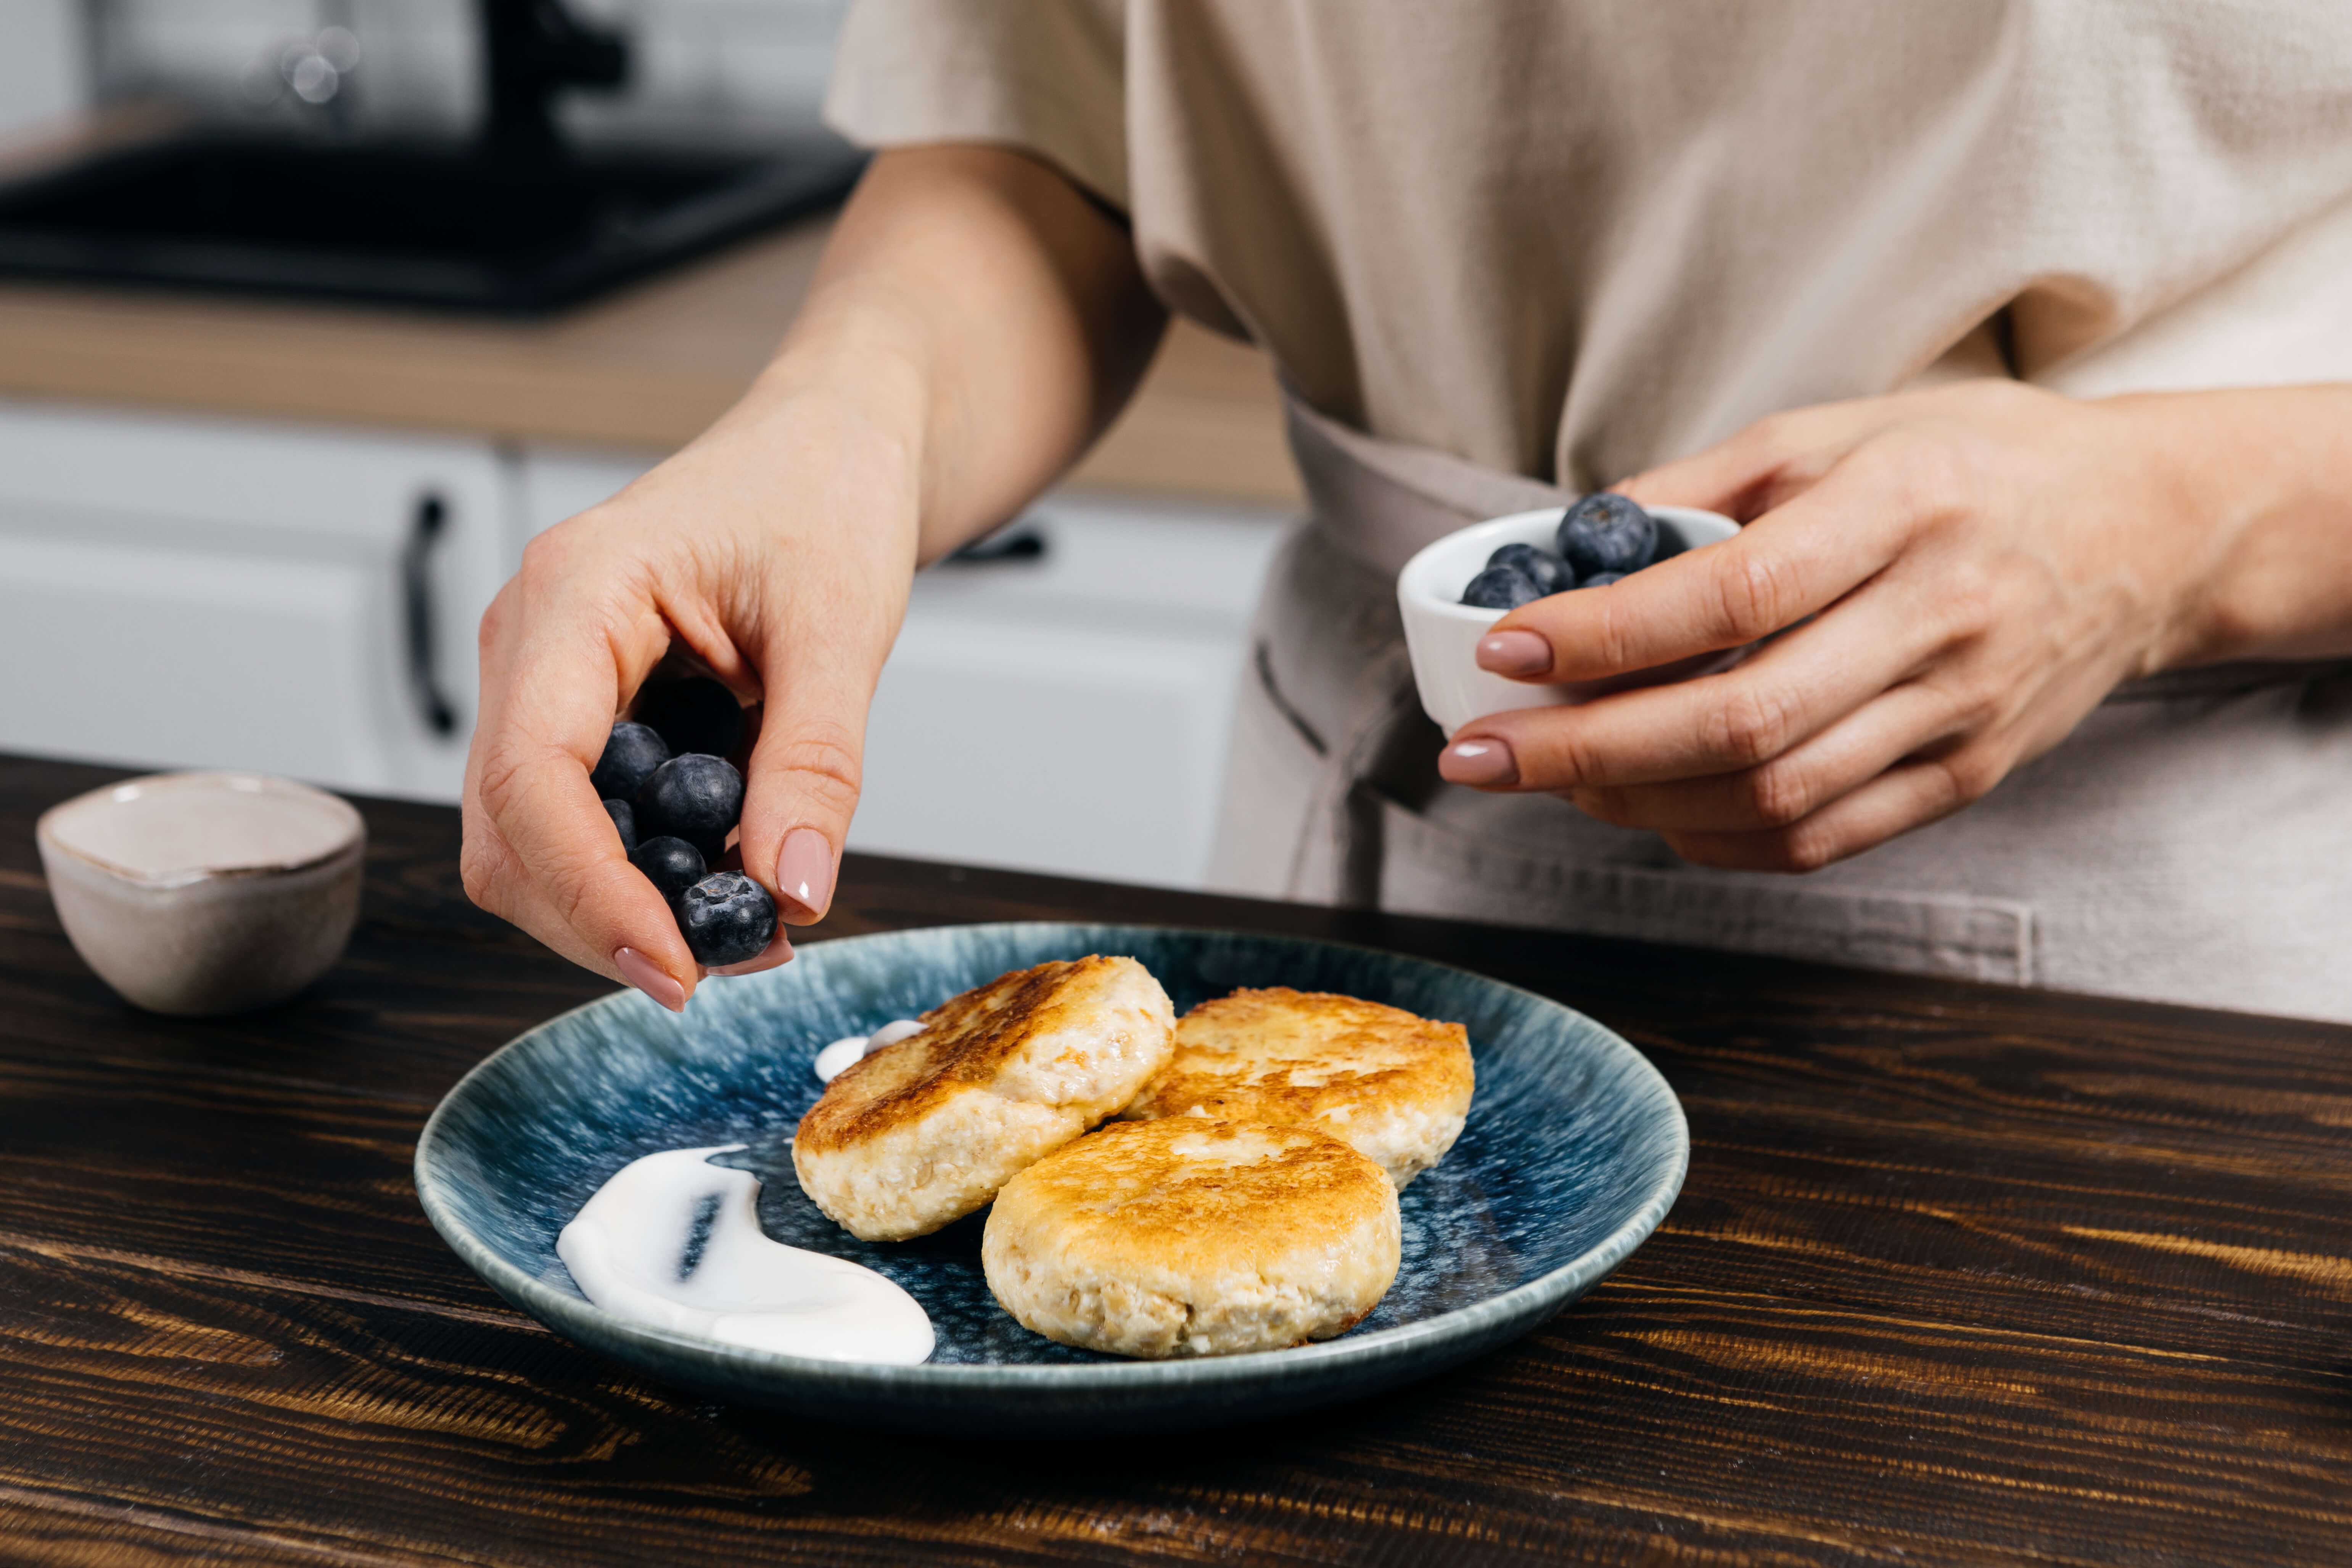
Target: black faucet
[533, 49]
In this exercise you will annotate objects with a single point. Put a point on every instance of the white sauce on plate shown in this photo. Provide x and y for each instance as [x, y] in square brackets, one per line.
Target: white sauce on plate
[674, 1242]
[835, 1059]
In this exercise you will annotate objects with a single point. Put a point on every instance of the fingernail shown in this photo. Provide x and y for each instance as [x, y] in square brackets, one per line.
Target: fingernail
[1513, 652]
[768, 959]
[1478, 762]
[649, 977]
[804, 875]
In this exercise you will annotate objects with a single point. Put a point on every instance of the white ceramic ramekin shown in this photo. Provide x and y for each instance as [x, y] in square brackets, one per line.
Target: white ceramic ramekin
[1441, 633]
[204, 892]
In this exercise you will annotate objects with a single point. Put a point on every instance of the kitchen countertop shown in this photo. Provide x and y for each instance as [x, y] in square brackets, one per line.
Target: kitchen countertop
[1961, 1274]
[642, 370]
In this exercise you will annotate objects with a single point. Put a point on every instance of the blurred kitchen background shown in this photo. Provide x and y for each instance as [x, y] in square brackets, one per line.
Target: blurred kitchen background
[313, 311]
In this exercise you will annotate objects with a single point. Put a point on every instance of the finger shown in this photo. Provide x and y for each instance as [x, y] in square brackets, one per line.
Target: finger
[508, 892]
[1791, 691]
[540, 801]
[804, 782]
[1897, 801]
[1769, 462]
[1790, 563]
[550, 687]
[1793, 786]
[496, 880]
[494, 875]
[807, 766]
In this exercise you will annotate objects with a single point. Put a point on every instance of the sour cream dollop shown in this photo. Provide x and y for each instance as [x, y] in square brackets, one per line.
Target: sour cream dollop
[674, 1242]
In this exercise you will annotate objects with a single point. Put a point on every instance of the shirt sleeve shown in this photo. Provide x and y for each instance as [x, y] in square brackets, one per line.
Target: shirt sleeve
[1044, 75]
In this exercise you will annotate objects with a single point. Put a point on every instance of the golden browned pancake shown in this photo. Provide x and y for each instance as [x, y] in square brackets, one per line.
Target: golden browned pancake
[924, 1131]
[1189, 1237]
[1394, 1087]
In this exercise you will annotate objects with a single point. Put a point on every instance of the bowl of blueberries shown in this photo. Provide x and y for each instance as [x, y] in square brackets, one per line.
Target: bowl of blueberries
[674, 797]
[1455, 590]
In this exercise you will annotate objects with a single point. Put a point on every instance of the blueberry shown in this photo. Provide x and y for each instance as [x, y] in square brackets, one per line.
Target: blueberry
[624, 821]
[671, 865]
[696, 798]
[727, 918]
[632, 752]
[1549, 571]
[1606, 532]
[1501, 588]
[695, 715]
[1603, 579]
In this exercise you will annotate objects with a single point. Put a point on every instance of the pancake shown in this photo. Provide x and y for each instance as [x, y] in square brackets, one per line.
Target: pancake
[924, 1131]
[1394, 1086]
[1188, 1238]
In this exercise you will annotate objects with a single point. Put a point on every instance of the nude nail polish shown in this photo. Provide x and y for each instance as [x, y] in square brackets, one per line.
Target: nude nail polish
[649, 977]
[1513, 652]
[1481, 762]
[804, 876]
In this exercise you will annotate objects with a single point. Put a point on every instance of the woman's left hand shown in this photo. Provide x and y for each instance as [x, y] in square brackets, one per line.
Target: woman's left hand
[1981, 561]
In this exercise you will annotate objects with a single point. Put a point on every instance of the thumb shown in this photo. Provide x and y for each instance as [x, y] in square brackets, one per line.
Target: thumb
[1766, 465]
[1738, 478]
[804, 774]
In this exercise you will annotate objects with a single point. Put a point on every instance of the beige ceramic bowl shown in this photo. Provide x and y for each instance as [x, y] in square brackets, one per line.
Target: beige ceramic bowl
[199, 893]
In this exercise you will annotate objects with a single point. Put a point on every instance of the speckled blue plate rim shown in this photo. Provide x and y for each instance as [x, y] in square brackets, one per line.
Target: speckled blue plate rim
[1470, 1328]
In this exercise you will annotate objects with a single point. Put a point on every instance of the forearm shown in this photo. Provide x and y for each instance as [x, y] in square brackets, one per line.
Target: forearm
[975, 321]
[2263, 482]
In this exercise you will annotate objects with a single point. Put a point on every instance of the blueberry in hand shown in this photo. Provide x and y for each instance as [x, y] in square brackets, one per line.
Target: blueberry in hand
[1501, 588]
[1607, 533]
[727, 918]
[698, 714]
[632, 752]
[696, 798]
[1547, 572]
[625, 822]
[671, 865]
[1603, 579]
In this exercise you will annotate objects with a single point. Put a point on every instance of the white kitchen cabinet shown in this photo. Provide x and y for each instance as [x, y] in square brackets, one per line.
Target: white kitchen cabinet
[1070, 713]
[1065, 712]
[195, 593]
[177, 592]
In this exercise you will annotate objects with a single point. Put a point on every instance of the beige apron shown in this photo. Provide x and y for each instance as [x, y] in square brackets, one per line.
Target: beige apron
[2188, 842]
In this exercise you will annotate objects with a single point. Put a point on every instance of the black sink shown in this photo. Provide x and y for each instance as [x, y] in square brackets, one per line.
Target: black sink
[454, 226]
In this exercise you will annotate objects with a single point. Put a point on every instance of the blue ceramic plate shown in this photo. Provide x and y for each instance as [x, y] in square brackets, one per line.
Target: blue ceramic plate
[1574, 1152]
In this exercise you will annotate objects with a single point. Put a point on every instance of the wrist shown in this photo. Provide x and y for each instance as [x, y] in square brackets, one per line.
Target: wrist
[2186, 513]
[862, 372]
[827, 441]
[2256, 486]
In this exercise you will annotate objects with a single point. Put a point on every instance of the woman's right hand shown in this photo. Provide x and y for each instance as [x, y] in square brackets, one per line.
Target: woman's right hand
[778, 551]
[975, 323]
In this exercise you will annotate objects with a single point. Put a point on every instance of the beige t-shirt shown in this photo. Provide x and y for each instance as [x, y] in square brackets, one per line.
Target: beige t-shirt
[1573, 239]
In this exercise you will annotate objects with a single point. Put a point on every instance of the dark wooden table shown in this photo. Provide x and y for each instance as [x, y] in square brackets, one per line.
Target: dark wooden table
[1961, 1274]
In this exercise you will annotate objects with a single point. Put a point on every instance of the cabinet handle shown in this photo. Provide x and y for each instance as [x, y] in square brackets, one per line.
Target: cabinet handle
[416, 595]
[1022, 541]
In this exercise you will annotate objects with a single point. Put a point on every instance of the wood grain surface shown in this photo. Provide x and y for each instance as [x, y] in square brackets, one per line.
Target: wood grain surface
[1961, 1274]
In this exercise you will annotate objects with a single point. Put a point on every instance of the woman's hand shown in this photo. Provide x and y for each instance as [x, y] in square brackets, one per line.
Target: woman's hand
[793, 598]
[976, 321]
[1952, 579]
